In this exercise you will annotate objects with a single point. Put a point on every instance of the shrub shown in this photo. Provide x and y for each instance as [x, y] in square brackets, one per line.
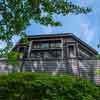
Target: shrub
[39, 86]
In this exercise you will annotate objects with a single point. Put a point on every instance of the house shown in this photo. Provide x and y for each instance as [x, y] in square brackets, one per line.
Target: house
[54, 48]
[57, 53]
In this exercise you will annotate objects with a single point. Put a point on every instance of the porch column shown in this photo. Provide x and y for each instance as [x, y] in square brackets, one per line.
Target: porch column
[62, 58]
[29, 49]
[77, 54]
[62, 53]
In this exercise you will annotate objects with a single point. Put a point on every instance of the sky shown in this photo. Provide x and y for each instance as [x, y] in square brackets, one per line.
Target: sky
[86, 27]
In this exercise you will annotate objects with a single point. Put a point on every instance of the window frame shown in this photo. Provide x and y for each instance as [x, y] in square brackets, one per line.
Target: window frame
[74, 50]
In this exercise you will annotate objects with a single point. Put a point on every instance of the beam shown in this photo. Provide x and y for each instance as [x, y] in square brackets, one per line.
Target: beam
[29, 49]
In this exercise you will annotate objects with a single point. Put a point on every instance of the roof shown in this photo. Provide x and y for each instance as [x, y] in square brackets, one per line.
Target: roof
[50, 35]
[62, 35]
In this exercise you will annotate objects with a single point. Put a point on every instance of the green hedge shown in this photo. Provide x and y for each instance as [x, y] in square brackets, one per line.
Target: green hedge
[39, 86]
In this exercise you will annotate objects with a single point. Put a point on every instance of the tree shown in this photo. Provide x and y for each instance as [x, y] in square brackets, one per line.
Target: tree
[16, 15]
[40, 86]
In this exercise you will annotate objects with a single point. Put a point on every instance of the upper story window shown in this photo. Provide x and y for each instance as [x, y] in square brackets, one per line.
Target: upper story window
[71, 51]
[55, 45]
[52, 45]
[36, 46]
[46, 45]
[58, 45]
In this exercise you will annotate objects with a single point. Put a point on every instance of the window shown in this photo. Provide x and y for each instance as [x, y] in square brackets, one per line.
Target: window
[36, 46]
[52, 45]
[55, 45]
[71, 51]
[44, 45]
[58, 45]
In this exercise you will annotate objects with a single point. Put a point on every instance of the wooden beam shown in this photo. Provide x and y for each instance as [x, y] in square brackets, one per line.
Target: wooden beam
[29, 48]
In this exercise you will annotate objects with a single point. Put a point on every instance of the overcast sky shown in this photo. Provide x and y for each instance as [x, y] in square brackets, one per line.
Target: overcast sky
[86, 27]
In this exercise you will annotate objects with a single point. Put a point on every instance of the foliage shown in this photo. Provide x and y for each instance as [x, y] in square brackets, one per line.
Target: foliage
[12, 57]
[39, 86]
[97, 72]
[98, 57]
[16, 15]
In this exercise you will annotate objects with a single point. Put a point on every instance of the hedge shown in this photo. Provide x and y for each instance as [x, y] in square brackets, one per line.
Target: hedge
[40, 86]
